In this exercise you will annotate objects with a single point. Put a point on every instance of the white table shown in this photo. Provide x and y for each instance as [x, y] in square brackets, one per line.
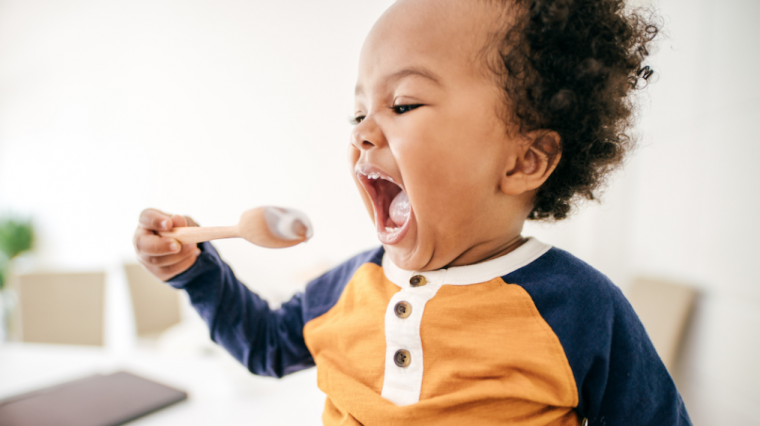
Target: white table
[221, 392]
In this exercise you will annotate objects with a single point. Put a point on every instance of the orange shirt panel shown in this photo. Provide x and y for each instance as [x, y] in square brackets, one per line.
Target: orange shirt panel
[488, 340]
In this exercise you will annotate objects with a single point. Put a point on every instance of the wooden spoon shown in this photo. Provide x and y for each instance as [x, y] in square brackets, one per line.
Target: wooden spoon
[271, 227]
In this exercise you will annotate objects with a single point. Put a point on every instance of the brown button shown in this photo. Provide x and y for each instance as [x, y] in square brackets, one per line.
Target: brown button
[585, 422]
[403, 309]
[402, 358]
[418, 281]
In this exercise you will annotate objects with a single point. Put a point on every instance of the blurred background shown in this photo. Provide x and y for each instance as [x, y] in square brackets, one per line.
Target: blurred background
[208, 108]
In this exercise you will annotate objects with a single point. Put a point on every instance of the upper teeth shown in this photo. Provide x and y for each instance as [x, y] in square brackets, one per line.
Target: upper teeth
[376, 175]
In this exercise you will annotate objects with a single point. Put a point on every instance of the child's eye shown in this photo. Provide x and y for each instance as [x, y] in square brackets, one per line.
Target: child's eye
[401, 109]
[355, 120]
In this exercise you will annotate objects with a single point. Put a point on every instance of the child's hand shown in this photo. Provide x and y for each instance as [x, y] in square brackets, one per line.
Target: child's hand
[163, 257]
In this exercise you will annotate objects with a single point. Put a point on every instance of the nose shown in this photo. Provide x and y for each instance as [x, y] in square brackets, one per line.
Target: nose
[367, 135]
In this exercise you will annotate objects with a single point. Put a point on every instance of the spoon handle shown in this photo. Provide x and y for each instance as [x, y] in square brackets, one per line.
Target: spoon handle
[197, 234]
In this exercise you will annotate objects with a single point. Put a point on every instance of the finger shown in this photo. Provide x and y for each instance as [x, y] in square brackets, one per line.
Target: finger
[170, 259]
[155, 220]
[178, 268]
[139, 232]
[154, 245]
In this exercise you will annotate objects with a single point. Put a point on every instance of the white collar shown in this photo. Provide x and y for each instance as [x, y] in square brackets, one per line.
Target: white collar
[471, 274]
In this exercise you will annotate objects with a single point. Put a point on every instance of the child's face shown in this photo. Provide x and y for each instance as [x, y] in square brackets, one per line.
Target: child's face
[431, 129]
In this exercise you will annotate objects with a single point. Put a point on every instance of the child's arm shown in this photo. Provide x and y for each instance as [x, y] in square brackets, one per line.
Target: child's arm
[630, 383]
[268, 342]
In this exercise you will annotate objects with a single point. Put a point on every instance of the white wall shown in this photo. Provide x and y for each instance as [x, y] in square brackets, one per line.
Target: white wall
[209, 108]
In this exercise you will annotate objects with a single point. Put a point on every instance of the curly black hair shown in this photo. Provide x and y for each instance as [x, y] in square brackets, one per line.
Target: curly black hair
[570, 66]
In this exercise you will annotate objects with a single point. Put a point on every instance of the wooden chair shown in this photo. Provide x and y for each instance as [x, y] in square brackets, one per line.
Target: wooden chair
[664, 308]
[155, 304]
[65, 308]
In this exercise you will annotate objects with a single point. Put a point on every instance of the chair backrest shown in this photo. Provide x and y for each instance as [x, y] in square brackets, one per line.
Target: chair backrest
[664, 308]
[155, 304]
[64, 308]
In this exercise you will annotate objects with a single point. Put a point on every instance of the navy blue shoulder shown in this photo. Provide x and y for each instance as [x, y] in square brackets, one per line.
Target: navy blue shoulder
[578, 303]
[569, 292]
[616, 368]
[323, 293]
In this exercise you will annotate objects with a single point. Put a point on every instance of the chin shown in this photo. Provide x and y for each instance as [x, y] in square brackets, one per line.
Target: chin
[409, 255]
[403, 259]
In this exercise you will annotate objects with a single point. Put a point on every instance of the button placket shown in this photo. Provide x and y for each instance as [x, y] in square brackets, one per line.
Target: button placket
[404, 364]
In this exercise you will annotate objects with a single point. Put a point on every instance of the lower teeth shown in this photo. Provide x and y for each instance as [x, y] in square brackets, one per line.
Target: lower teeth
[389, 229]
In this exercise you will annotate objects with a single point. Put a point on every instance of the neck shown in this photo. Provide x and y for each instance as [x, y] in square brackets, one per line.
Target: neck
[486, 251]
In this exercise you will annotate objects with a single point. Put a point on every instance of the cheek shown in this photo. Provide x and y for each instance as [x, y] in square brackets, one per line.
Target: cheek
[445, 182]
[448, 155]
[451, 170]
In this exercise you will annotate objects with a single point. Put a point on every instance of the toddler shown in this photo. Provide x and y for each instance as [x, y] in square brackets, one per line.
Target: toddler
[471, 116]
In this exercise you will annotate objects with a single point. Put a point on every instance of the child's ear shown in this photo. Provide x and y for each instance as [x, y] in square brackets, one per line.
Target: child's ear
[535, 160]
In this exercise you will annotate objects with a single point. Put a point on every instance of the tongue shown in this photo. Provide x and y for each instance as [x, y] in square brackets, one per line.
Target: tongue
[400, 209]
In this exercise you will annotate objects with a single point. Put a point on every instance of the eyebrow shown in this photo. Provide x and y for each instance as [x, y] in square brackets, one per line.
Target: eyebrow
[406, 72]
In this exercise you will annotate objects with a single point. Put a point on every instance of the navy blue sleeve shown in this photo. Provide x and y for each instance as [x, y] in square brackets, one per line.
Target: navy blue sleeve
[620, 378]
[269, 342]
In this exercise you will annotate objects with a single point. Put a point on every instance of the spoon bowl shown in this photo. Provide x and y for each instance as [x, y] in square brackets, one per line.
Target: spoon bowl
[270, 227]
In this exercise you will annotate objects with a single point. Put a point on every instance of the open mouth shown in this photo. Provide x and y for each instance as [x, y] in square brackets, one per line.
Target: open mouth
[393, 212]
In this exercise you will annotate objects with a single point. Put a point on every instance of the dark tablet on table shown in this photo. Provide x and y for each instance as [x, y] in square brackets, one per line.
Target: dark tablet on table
[100, 400]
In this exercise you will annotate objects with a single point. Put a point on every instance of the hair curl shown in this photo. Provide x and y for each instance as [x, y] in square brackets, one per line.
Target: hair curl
[569, 66]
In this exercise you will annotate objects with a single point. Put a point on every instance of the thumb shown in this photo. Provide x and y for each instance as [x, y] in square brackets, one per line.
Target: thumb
[178, 221]
[182, 221]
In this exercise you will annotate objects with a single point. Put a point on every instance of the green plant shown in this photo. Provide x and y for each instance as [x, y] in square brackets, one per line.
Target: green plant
[3, 268]
[16, 237]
